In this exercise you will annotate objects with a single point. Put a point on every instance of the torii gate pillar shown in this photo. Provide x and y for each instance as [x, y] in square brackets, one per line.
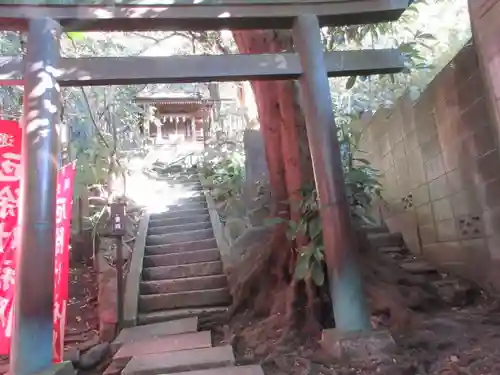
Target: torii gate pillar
[348, 298]
[31, 345]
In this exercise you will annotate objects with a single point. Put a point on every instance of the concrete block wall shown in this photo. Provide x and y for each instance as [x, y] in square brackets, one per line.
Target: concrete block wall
[485, 21]
[441, 171]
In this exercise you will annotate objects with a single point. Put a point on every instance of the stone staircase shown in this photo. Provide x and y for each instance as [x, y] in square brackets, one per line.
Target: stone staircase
[413, 270]
[183, 288]
[174, 347]
[182, 271]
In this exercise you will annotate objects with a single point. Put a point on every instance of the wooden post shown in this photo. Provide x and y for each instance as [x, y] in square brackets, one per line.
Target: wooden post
[117, 229]
[31, 345]
[349, 302]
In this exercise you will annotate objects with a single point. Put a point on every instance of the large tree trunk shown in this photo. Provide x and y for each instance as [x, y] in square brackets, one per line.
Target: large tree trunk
[279, 110]
[290, 169]
[287, 152]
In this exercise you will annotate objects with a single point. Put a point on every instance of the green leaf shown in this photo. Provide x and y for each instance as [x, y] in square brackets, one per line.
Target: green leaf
[350, 82]
[76, 35]
[291, 232]
[315, 228]
[317, 273]
[318, 253]
[302, 267]
[270, 222]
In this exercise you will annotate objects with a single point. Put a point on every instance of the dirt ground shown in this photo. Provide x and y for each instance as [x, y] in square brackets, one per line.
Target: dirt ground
[462, 341]
[82, 330]
[453, 342]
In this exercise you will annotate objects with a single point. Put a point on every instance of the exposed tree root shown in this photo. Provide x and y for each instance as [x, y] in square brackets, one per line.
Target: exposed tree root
[395, 296]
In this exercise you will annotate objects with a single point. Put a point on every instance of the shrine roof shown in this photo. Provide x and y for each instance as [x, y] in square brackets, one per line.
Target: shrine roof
[165, 94]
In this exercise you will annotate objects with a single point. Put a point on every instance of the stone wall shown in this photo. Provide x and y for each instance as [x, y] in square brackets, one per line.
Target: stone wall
[485, 16]
[243, 239]
[441, 166]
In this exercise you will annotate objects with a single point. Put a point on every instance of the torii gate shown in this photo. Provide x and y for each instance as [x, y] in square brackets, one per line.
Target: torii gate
[42, 70]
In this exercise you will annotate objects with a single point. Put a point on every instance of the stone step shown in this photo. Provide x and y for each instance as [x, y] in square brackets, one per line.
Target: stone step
[455, 292]
[240, 370]
[393, 250]
[418, 266]
[183, 360]
[182, 271]
[207, 244]
[202, 313]
[196, 298]
[180, 228]
[172, 238]
[183, 178]
[178, 214]
[170, 343]
[182, 285]
[198, 197]
[376, 230]
[190, 186]
[186, 206]
[181, 206]
[378, 240]
[179, 220]
[188, 257]
[171, 327]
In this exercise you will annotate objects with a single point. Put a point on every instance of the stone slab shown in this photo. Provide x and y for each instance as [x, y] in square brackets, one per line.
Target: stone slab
[182, 270]
[179, 220]
[171, 238]
[180, 228]
[185, 341]
[178, 214]
[241, 370]
[182, 285]
[385, 239]
[63, 368]
[134, 276]
[184, 360]
[418, 266]
[208, 244]
[196, 205]
[358, 346]
[187, 257]
[392, 250]
[168, 315]
[206, 297]
[151, 331]
[255, 162]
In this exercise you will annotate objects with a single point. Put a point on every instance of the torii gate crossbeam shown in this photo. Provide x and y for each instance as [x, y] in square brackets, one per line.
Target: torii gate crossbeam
[97, 71]
[204, 14]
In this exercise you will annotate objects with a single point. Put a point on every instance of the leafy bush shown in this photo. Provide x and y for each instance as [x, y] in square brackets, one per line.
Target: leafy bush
[362, 186]
[224, 170]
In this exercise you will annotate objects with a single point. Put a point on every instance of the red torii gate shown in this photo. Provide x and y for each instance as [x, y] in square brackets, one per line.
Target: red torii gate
[32, 341]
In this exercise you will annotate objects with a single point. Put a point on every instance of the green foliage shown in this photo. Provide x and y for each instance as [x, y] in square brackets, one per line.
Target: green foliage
[362, 185]
[224, 170]
[361, 179]
[428, 34]
[92, 161]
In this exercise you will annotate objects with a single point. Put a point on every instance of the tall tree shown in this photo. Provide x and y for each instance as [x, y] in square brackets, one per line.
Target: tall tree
[286, 144]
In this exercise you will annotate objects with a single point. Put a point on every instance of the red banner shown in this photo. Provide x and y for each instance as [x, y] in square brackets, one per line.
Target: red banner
[10, 174]
[64, 201]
